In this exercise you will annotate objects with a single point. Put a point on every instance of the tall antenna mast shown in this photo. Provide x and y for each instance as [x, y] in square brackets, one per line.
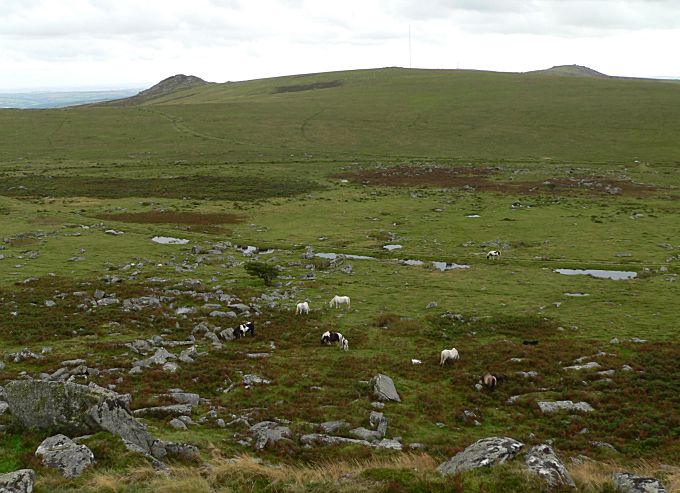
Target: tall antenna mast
[410, 65]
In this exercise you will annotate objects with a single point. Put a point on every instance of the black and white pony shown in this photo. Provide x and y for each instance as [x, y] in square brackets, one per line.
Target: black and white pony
[243, 329]
[329, 337]
[493, 254]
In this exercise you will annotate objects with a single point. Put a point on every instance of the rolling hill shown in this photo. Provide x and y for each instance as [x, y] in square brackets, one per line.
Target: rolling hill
[388, 113]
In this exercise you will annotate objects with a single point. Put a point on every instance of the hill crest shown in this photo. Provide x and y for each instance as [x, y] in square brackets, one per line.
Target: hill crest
[570, 70]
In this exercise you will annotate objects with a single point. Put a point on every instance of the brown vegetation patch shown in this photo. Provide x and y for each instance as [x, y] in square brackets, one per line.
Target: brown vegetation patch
[307, 87]
[188, 218]
[478, 178]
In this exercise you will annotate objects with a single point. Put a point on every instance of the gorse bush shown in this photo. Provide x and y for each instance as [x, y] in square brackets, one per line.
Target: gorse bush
[264, 271]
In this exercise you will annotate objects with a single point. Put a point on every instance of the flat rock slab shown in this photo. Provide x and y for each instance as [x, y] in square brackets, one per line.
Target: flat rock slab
[321, 439]
[629, 483]
[552, 406]
[484, 452]
[20, 481]
[543, 461]
[62, 453]
[384, 389]
[163, 411]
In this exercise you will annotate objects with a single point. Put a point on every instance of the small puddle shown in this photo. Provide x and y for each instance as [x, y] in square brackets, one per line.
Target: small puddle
[333, 256]
[616, 275]
[169, 240]
[392, 247]
[443, 266]
[576, 295]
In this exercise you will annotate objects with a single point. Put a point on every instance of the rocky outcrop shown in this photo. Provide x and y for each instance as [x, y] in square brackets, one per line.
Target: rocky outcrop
[332, 426]
[61, 452]
[629, 483]
[543, 461]
[384, 389]
[163, 411]
[75, 409]
[20, 481]
[484, 452]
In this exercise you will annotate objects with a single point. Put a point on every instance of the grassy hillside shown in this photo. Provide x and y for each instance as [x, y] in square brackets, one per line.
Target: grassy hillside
[443, 166]
[370, 113]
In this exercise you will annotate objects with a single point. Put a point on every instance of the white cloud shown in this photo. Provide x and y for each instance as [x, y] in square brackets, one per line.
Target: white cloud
[110, 43]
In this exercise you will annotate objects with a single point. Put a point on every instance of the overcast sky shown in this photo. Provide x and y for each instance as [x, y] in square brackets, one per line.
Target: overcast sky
[97, 44]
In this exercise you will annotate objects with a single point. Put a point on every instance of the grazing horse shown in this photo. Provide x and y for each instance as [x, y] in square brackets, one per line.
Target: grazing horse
[339, 300]
[302, 308]
[329, 337]
[448, 354]
[489, 381]
[243, 329]
[493, 254]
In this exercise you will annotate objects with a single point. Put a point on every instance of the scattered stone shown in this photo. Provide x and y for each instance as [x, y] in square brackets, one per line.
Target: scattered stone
[629, 483]
[604, 445]
[61, 452]
[614, 340]
[552, 406]
[22, 355]
[626, 368]
[185, 398]
[50, 303]
[177, 424]
[389, 443]
[250, 379]
[268, 433]
[543, 461]
[365, 434]
[160, 357]
[431, 304]
[527, 374]
[588, 366]
[384, 389]
[484, 452]
[637, 340]
[20, 481]
[333, 426]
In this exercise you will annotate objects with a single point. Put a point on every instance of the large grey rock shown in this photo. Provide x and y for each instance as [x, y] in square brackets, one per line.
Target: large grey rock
[389, 443]
[629, 483]
[543, 461]
[20, 481]
[60, 452]
[552, 406]
[75, 409]
[484, 452]
[268, 433]
[384, 389]
[378, 421]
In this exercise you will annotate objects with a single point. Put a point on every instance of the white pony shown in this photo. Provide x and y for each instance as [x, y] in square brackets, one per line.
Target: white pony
[339, 300]
[448, 354]
[493, 254]
[302, 308]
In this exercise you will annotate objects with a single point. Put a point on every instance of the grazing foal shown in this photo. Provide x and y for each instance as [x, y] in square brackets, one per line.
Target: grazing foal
[489, 381]
[243, 329]
[302, 308]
